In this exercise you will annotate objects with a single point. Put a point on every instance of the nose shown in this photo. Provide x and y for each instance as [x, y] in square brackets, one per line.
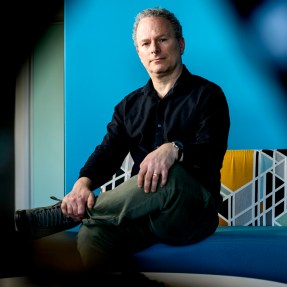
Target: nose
[154, 47]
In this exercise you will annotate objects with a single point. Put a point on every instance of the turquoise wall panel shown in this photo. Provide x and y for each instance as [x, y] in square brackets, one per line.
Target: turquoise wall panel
[101, 67]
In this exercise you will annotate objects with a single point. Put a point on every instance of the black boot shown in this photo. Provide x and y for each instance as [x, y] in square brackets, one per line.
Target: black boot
[43, 221]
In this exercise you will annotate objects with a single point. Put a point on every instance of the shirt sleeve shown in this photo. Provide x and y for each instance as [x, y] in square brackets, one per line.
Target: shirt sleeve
[205, 153]
[108, 156]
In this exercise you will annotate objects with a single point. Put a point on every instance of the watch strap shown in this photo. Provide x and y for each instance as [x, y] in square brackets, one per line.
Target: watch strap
[179, 146]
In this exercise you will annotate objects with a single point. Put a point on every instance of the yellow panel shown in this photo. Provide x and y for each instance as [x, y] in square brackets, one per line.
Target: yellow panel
[237, 169]
[222, 222]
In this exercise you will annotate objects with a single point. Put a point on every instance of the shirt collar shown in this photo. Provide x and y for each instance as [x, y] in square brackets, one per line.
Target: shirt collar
[148, 89]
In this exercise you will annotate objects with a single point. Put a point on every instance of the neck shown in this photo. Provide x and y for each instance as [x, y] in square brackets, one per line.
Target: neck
[164, 82]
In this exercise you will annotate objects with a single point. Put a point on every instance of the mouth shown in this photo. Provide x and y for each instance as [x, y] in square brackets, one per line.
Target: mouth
[157, 60]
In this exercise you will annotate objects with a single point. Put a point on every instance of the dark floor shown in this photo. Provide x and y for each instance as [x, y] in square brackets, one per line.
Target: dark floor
[43, 261]
[54, 261]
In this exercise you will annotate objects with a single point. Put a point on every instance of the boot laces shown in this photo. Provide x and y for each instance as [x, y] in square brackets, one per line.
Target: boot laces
[51, 216]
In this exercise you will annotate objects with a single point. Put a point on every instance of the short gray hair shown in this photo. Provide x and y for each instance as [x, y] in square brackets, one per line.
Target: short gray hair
[158, 12]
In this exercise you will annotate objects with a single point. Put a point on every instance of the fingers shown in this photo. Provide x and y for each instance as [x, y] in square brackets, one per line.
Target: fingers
[151, 181]
[73, 207]
[64, 208]
[155, 166]
[154, 182]
[141, 177]
[75, 202]
[163, 178]
[91, 200]
[149, 178]
[157, 179]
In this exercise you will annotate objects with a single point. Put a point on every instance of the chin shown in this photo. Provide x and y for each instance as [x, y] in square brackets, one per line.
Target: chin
[159, 70]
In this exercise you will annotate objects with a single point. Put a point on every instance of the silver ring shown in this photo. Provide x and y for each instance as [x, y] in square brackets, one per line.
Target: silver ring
[155, 174]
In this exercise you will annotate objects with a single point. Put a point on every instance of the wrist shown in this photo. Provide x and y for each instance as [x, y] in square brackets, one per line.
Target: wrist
[84, 181]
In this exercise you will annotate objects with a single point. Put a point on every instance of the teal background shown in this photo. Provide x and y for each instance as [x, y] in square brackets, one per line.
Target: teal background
[101, 67]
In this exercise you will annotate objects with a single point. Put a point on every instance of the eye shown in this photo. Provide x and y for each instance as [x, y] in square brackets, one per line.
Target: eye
[145, 44]
[161, 40]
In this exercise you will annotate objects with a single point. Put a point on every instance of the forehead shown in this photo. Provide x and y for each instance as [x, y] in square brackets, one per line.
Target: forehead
[152, 26]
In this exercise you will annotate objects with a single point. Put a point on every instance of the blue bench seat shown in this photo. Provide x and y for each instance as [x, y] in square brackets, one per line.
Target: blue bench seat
[247, 251]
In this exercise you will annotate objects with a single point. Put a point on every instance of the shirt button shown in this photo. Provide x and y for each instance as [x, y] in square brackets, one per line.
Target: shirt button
[159, 125]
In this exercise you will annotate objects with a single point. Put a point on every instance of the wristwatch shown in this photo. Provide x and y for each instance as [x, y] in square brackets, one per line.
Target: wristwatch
[179, 146]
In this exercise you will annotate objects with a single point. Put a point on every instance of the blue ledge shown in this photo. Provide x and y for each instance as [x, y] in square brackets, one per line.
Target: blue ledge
[256, 252]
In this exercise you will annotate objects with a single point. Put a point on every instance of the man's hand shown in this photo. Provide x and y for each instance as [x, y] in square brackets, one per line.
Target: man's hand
[75, 202]
[154, 168]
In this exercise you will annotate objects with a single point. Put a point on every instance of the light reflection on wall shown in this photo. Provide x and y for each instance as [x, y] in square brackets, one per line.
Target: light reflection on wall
[265, 25]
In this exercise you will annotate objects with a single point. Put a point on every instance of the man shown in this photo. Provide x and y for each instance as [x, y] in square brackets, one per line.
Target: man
[176, 130]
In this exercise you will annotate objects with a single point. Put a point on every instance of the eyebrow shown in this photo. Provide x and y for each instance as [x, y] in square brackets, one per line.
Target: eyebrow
[162, 35]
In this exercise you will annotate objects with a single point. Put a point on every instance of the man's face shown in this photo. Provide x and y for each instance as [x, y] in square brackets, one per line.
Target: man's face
[158, 49]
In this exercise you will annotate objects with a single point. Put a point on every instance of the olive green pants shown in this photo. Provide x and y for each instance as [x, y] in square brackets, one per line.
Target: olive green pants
[126, 219]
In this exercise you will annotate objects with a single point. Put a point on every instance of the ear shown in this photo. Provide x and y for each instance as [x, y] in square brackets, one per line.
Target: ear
[181, 45]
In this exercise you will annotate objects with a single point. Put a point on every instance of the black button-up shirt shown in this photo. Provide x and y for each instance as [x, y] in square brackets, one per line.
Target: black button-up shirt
[194, 112]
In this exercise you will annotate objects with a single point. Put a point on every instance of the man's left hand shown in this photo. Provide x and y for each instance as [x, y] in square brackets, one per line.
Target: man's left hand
[154, 168]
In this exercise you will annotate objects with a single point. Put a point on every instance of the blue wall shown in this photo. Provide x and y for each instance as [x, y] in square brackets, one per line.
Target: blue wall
[101, 67]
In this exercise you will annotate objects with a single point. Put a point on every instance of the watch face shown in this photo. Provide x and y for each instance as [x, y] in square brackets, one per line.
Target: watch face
[178, 144]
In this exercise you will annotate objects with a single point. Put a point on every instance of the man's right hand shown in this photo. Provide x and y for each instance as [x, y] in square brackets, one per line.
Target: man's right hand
[75, 202]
